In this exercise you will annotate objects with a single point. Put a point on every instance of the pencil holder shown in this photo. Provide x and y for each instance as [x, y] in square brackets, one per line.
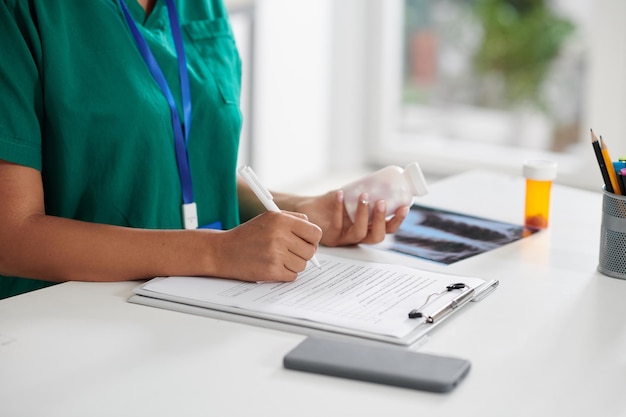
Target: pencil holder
[612, 260]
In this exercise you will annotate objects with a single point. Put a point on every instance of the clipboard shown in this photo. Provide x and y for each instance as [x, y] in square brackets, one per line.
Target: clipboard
[346, 297]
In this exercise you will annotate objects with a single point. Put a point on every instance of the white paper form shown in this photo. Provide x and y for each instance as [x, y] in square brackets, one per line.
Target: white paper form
[345, 293]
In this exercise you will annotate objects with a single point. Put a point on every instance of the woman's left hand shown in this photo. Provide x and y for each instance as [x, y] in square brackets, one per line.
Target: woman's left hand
[328, 212]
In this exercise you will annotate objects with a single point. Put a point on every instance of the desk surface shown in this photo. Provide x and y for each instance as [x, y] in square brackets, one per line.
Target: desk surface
[551, 341]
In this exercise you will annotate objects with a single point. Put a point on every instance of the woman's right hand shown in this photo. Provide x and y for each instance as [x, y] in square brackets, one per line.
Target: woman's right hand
[270, 247]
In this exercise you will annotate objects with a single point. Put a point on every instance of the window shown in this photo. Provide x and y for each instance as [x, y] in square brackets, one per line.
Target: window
[497, 71]
[442, 97]
[336, 78]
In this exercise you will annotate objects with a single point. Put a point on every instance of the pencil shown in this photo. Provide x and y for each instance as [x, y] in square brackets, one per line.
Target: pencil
[609, 167]
[600, 158]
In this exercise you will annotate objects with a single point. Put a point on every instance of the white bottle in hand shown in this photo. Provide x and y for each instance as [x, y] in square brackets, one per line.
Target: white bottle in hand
[397, 186]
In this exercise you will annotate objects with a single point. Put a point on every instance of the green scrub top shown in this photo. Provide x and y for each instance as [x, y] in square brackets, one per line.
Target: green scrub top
[79, 104]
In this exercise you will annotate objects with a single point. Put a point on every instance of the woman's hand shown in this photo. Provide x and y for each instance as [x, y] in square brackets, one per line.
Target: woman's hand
[328, 212]
[270, 247]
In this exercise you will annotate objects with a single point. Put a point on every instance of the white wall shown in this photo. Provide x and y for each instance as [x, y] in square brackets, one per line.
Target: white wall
[606, 89]
[291, 128]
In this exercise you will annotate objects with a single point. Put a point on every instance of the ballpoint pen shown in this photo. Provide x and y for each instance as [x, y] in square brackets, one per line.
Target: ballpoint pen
[264, 196]
[448, 308]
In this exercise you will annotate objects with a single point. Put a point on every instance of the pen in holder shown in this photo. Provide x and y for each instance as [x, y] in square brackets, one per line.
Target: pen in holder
[612, 259]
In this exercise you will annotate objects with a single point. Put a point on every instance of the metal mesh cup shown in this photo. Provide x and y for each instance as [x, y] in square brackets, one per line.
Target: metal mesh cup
[612, 260]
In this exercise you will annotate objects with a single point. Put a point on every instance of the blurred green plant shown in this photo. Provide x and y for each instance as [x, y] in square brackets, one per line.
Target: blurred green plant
[521, 39]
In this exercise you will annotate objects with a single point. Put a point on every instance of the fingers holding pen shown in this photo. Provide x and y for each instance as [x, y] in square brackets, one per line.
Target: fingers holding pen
[294, 241]
[274, 246]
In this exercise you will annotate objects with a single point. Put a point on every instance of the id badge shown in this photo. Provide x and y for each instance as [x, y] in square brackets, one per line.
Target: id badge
[190, 216]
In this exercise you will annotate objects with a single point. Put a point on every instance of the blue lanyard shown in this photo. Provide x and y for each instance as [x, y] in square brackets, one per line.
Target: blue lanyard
[181, 130]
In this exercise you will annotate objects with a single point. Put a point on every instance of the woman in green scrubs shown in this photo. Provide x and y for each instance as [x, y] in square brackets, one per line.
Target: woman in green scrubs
[107, 127]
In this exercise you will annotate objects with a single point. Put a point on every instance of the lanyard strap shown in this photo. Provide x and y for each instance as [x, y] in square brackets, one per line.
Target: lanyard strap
[181, 130]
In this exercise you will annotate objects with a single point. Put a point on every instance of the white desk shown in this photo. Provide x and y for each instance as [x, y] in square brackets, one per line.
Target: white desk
[551, 341]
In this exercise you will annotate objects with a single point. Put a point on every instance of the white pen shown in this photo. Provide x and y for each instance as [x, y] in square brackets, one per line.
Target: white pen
[264, 196]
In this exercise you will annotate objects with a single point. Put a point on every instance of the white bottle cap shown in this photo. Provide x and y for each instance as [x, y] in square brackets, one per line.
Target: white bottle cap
[539, 170]
[416, 179]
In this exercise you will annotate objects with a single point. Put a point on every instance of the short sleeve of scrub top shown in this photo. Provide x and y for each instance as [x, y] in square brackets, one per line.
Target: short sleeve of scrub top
[80, 105]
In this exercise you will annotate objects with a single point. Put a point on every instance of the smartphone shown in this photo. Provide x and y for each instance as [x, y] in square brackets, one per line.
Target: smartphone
[378, 363]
